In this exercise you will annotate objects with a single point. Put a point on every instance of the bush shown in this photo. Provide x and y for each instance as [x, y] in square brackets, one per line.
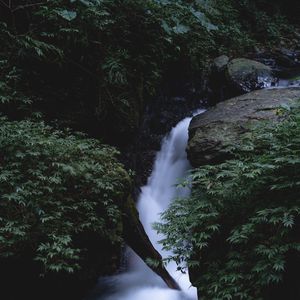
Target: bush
[240, 226]
[57, 187]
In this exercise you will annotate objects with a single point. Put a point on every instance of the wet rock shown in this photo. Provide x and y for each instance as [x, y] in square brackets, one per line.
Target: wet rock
[236, 77]
[292, 82]
[246, 75]
[285, 63]
[137, 238]
[160, 116]
[213, 131]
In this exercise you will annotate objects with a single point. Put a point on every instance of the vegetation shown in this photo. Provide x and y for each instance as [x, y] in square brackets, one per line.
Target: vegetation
[85, 62]
[56, 188]
[240, 225]
[103, 57]
[93, 66]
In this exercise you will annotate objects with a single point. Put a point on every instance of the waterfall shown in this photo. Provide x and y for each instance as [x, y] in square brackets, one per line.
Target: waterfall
[139, 282]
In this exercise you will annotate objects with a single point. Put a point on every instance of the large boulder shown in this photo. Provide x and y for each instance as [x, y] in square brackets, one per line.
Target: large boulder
[229, 78]
[246, 75]
[211, 132]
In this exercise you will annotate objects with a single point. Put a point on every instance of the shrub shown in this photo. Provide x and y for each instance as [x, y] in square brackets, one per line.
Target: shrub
[56, 187]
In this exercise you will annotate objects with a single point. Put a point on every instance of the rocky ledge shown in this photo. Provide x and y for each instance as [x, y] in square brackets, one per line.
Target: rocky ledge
[211, 132]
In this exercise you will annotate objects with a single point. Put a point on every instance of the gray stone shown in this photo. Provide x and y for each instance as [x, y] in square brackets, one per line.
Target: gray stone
[247, 75]
[212, 132]
[220, 62]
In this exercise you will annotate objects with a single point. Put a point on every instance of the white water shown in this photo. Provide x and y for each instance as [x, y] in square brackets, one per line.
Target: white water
[170, 166]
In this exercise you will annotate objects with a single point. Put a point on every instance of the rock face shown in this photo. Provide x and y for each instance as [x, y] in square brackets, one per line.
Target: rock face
[247, 75]
[137, 239]
[212, 131]
[163, 113]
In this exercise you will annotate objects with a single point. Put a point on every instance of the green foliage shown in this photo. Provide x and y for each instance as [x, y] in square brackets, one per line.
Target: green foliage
[103, 60]
[55, 187]
[240, 224]
[89, 63]
[266, 22]
[116, 51]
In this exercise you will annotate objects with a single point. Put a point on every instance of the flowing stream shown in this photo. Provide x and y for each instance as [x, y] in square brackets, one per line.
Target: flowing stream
[139, 281]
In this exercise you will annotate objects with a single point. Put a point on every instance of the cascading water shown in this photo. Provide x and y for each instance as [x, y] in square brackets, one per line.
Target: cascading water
[139, 282]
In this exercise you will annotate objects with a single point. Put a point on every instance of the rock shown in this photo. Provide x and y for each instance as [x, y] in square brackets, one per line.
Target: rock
[238, 76]
[285, 63]
[217, 80]
[293, 82]
[137, 238]
[211, 132]
[246, 75]
[220, 62]
[161, 114]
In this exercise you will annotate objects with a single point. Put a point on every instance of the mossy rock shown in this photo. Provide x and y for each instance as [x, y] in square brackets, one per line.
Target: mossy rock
[247, 75]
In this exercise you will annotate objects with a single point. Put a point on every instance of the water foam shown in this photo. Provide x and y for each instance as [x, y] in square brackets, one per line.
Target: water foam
[139, 282]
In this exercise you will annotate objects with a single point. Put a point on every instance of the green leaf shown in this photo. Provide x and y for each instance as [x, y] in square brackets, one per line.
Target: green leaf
[67, 14]
[181, 29]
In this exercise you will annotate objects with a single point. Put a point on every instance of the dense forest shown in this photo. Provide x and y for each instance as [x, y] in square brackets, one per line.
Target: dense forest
[88, 90]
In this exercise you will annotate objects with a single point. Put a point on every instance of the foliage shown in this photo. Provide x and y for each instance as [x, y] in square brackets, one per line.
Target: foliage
[241, 222]
[90, 61]
[55, 187]
[115, 51]
[93, 65]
